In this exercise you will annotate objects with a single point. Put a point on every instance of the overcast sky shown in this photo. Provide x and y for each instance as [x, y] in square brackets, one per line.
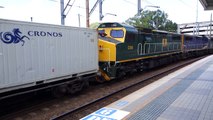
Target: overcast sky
[48, 11]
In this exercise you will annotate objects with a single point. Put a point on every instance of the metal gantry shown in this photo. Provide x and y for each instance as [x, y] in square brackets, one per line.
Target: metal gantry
[63, 9]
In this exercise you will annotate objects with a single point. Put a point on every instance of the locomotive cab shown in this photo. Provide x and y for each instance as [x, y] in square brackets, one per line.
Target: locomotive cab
[118, 44]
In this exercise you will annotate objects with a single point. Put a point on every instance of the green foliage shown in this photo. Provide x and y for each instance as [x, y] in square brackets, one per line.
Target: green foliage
[153, 20]
[94, 25]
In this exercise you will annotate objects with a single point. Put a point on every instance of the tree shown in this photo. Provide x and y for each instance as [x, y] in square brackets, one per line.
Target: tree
[153, 20]
[171, 26]
[94, 25]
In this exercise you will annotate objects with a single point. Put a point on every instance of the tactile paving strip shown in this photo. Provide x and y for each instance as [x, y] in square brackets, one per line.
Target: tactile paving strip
[154, 109]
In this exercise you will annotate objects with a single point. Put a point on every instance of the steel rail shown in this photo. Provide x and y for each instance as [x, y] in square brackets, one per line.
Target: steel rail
[125, 88]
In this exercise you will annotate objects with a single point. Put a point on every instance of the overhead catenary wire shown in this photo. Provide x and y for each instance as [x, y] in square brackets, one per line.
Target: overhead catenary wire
[127, 1]
[149, 2]
[186, 4]
[70, 7]
[132, 3]
[81, 7]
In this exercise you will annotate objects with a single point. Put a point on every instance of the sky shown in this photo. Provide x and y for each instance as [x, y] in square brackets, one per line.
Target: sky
[48, 11]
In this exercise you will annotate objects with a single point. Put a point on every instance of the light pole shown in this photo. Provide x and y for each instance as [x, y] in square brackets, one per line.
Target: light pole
[157, 21]
[210, 26]
[62, 12]
[140, 9]
[102, 16]
[63, 16]
[153, 6]
[197, 26]
[79, 20]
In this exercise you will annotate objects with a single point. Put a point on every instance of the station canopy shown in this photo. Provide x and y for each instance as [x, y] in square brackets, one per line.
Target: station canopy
[207, 4]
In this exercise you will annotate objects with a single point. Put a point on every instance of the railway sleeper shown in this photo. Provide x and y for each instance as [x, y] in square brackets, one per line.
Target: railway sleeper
[71, 87]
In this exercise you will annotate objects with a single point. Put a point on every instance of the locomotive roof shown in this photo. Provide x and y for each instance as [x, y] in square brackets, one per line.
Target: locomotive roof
[126, 26]
[133, 29]
[164, 32]
[115, 24]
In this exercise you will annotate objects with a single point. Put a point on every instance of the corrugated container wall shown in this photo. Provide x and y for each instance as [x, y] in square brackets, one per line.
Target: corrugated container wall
[31, 52]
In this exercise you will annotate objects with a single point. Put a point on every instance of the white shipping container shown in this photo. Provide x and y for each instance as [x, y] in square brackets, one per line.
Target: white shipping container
[31, 52]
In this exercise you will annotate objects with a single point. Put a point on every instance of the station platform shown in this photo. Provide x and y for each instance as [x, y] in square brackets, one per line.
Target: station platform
[186, 94]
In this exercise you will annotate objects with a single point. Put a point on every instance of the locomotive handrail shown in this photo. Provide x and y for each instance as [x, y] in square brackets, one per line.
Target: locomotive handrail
[195, 46]
[160, 47]
[140, 49]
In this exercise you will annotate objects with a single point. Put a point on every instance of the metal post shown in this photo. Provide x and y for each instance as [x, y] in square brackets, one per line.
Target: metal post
[139, 7]
[210, 34]
[87, 13]
[79, 20]
[197, 28]
[100, 10]
[62, 12]
[178, 29]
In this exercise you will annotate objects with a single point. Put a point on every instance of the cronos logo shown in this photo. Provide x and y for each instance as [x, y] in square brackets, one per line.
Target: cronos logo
[44, 34]
[16, 36]
[13, 37]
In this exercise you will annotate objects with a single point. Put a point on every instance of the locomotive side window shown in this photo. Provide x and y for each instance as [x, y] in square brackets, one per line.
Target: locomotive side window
[117, 33]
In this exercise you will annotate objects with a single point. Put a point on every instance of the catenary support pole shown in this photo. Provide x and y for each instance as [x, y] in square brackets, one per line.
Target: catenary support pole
[62, 12]
[87, 13]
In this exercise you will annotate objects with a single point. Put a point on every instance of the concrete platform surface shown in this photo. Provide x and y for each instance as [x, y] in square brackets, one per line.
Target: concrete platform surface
[186, 94]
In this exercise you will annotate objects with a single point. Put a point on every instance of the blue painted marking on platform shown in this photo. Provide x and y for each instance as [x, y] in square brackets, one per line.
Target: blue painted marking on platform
[97, 117]
[105, 112]
[121, 103]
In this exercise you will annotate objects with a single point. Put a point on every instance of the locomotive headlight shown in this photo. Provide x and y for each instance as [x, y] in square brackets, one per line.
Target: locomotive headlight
[100, 47]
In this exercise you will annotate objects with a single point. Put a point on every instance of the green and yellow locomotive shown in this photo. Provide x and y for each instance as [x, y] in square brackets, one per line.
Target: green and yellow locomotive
[125, 49]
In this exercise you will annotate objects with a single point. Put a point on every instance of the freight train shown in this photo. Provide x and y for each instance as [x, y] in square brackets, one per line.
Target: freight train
[37, 56]
[124, 49]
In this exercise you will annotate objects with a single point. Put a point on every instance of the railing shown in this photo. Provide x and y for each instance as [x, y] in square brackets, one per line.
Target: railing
[150, 48]
[195, 46]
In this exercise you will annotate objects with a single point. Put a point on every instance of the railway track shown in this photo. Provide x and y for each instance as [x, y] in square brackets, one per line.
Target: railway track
[96, 104]
[78, 106]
